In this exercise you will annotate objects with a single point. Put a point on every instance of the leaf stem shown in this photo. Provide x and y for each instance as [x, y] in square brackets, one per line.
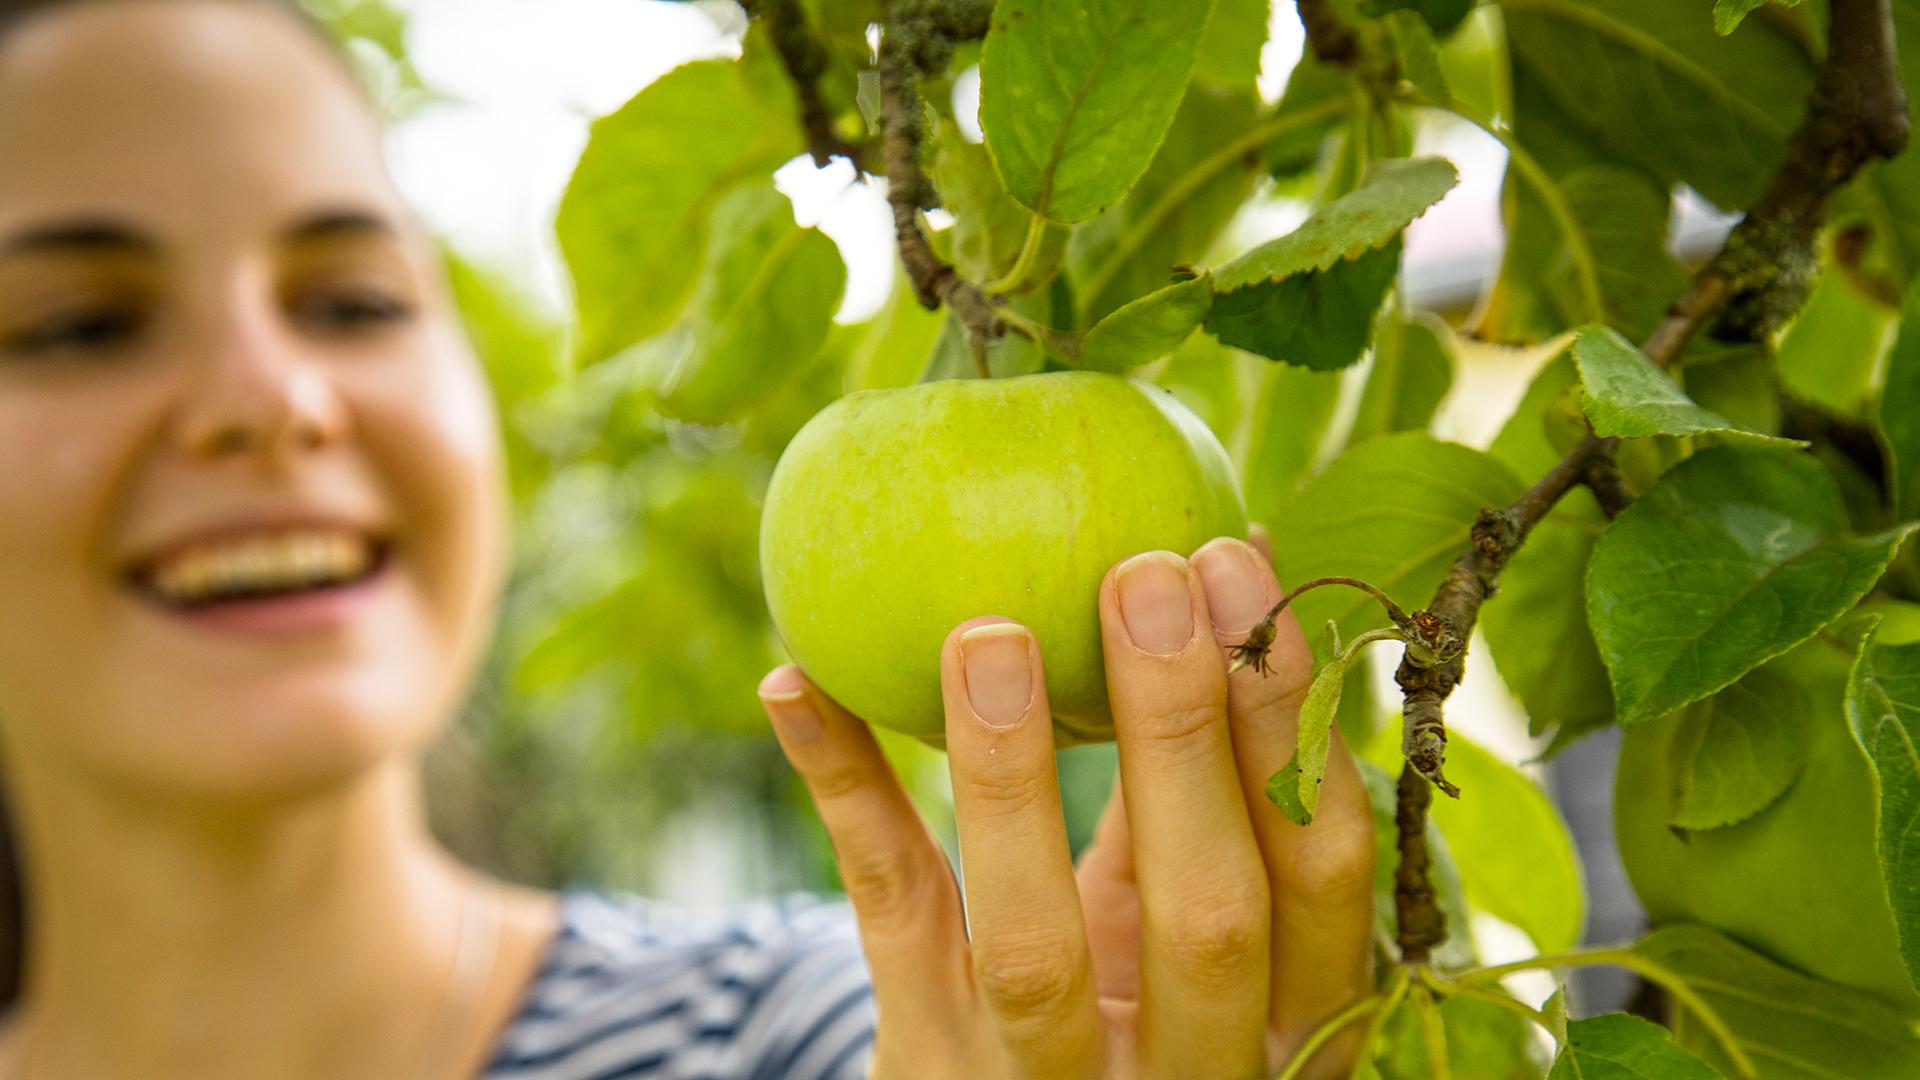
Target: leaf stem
[1390, 999]
[1324, 1034]
[1647, 968]
[1016, 277]
[1450, 987]
[1433, 1032]
[1177, 195]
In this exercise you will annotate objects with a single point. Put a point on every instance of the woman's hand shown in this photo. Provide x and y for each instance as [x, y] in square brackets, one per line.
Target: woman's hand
[1203, 935]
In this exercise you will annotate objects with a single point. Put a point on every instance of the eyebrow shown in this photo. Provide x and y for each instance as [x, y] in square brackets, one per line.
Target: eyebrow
[328, 224]
[83, 236]
[105, 236]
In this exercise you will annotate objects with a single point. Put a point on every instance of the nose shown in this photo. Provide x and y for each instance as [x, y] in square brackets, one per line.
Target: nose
[259, 393]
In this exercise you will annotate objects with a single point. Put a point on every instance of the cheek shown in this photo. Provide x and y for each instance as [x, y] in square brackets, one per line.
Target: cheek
[432, 435]
[75, 441]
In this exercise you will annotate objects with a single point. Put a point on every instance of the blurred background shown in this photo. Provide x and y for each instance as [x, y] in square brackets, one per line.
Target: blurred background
[614, 739]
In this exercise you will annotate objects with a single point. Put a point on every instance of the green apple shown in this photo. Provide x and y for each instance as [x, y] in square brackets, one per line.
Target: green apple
[1800, 880]
[895, 515]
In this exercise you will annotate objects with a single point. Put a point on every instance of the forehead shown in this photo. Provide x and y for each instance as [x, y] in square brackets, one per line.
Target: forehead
[190, 116]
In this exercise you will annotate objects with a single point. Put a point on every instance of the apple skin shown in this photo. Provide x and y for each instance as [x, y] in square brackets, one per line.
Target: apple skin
[1800, 880]
[894, 515]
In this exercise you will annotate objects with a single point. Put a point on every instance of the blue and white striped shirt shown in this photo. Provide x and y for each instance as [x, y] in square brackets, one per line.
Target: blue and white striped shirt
[639, 989]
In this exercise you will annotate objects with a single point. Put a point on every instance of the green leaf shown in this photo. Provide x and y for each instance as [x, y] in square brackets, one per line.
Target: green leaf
[1283, 791]
[1174, 215]
[1230, 47]
[1075, 95]
[1729, 14]
[1651, 82]
[1735, 556]
[1626, 394]
[1830, 354]
[1307, 768]
[1621, 209]
[1515, 855]
[1900, 413]
[1287, 425]
[1146, 329]
[989, 226]
[1395, 510]
[633, 222]
[1311, 84]
[762, 309]
[1367, 219]
[1738, 750]
[1419, 56]
[1616, 1046]
[1484, 1042]
[894, 345]
[1315, 320]
[1456, 951]
[1738, 380]
[1412, 369]
[1013, 354]
[1895, 185]
[1441, 15]
[1883, 707]
[1309, 297]
[1795, 1027]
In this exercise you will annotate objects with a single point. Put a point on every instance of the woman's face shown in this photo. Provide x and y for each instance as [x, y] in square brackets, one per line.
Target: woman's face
[216, 317]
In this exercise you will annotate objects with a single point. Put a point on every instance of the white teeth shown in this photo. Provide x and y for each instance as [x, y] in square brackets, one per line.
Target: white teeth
[263, 563]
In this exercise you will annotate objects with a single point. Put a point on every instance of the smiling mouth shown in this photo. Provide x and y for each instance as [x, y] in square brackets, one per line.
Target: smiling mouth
[232, 584]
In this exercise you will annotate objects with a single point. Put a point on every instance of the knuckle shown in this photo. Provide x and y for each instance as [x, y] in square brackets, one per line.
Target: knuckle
[1331, 863]
[1223, 933]
[1182, 725]
[836, 783]
[889, 887]
[1029, 979]
[1003, 791]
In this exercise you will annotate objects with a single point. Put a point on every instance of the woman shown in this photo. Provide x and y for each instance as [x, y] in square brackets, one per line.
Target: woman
[228, 364]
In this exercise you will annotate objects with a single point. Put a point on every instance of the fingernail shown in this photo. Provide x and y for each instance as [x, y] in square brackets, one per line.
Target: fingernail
[783, 693]
[1154, 602]
[1230, 574]
[999, 681]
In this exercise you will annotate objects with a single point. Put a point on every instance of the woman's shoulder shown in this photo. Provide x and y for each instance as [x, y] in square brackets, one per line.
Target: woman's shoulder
[771, 989]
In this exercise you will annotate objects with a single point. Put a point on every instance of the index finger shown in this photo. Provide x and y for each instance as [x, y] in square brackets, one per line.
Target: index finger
[1205, 913]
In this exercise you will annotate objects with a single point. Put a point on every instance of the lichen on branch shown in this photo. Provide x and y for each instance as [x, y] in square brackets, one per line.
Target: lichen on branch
[918, 37]
[1856, 112]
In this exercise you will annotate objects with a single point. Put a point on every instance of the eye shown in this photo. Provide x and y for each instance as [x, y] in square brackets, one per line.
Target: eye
[353, 309]
[84, 330]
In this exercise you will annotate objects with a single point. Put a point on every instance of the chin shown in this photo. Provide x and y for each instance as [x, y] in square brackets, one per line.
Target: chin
[251, 749]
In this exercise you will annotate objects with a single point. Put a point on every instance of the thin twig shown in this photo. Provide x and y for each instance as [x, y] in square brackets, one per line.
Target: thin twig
[918, 39]
[805, 59]
[1856, 112]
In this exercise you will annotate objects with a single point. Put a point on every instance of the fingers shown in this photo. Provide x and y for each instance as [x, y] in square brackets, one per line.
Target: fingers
[898, 880]
[1029, 945]
[1205, 917]
[1321, 875]
[1110, 902]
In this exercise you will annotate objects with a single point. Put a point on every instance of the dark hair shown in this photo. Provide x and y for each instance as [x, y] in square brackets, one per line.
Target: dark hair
[13, 15]
[15, 12]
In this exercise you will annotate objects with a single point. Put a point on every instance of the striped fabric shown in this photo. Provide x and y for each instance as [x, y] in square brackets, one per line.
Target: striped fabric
[634, 988]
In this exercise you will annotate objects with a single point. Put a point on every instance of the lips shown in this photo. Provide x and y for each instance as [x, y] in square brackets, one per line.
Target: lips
[257, 559]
